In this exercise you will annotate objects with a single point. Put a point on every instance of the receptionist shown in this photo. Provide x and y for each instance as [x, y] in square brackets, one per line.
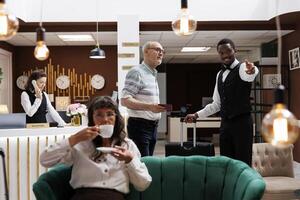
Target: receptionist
[35, 100]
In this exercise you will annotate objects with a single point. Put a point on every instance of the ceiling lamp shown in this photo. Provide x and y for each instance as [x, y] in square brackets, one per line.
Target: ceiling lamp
[9, 24]
[41, 51]
[97, 53]
[280, 127]
[184, 24]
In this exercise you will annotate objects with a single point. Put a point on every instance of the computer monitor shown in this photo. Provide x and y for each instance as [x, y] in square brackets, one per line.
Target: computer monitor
[62, 114]
[12, 120]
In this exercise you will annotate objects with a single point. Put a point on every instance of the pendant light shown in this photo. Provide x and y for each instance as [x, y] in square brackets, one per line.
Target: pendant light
[184, 24]
[41, 51]
[97, 53]
[9, 24]
[279, 126]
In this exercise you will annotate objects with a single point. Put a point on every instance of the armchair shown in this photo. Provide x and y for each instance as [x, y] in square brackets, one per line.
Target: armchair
[275, 164]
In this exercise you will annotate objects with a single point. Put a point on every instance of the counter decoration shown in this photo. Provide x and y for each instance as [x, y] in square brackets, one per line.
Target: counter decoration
[76, 111]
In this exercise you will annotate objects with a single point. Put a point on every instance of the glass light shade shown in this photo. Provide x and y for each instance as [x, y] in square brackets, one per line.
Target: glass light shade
[41, 52]
[280, 127]
[9, 24]
[184, 24]
[97, 53]
[3, 109]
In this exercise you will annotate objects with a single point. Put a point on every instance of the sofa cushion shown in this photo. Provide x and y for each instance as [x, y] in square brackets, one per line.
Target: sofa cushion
[281, 187]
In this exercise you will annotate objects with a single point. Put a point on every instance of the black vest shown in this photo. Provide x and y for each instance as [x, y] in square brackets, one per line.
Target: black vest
[40, 115]
[234, 94]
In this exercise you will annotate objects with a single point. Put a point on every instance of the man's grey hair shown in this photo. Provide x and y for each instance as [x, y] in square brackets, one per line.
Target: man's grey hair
[147, 45]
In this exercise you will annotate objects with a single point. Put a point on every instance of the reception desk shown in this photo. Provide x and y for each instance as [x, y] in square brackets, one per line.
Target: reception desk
[22, 149]
[174, 126]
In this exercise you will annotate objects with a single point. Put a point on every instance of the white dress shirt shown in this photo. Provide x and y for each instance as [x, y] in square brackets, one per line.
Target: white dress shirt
[106, 172]
[30, 110]
[215, 106]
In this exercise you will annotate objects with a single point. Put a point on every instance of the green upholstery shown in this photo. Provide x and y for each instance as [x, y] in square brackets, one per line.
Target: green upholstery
[54, 184]
[174, 178]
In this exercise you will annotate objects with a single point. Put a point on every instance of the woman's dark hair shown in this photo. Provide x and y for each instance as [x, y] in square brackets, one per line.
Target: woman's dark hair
[35, 75]
[106, 102]
[226, 41]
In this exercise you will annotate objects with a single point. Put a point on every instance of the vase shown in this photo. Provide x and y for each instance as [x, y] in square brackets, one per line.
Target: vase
[76, 121]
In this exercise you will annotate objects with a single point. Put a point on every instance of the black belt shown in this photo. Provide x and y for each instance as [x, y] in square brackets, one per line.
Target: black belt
[142, 120]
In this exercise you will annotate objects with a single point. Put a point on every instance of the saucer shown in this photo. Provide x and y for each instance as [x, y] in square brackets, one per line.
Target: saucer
[105, 149]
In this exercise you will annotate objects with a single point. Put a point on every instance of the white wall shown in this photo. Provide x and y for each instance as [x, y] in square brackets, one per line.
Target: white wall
[162, 84]
[154, 10]
[128, 31]
[6, 82]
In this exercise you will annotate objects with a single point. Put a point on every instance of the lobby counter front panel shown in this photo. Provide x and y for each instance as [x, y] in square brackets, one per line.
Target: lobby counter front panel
[22, 148]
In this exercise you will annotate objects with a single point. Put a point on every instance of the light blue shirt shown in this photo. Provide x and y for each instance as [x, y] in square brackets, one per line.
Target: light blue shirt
[141, 84]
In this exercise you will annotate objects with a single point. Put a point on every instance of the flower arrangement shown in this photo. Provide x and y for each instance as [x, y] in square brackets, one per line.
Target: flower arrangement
[76, 109]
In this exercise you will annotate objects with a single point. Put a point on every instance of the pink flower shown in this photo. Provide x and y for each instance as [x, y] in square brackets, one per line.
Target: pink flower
[76, 109]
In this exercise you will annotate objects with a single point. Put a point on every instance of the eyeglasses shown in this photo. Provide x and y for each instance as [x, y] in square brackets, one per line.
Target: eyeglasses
[109, 115]
[158, 50]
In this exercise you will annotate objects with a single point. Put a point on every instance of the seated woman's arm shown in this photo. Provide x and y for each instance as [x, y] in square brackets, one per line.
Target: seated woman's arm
[137, 171]
[63, 152]
[60, 152]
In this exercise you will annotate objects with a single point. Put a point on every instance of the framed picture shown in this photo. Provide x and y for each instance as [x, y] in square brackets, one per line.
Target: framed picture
[271, 80]
[294, 58]
[62, 102]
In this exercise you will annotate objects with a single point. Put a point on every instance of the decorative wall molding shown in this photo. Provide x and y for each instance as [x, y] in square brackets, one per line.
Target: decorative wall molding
[126, 55]
[130, 44]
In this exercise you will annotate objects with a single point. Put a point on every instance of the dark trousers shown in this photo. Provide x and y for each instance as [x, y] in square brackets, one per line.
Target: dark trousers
[236, 138]
[143, 133]
[97, 194]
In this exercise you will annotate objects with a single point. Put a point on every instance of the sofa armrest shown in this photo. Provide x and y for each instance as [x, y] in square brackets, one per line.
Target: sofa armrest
[54, 185]
[42, 190]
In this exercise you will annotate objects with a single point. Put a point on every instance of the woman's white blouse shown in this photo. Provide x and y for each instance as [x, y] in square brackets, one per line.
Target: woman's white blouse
[30, 110]
[106, 172]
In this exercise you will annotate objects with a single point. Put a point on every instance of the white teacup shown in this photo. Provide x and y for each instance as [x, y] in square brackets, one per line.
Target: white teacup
[106, 131]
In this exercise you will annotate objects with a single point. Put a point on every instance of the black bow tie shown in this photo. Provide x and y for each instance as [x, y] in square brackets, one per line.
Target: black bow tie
[224, 67]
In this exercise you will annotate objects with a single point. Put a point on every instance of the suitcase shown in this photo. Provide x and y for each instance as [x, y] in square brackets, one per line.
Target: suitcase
[189, 148]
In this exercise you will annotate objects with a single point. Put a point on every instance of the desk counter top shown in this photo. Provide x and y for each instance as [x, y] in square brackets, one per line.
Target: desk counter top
[39, 131]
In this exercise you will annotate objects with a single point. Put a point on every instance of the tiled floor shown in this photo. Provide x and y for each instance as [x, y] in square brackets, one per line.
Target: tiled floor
[160, 151]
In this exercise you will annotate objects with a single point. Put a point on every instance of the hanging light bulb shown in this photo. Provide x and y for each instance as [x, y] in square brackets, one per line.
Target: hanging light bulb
[41, 52]
[184, 24]
[9, 24]
[280, 126]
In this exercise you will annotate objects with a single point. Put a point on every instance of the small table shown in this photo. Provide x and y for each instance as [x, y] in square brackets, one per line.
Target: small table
[174, 126]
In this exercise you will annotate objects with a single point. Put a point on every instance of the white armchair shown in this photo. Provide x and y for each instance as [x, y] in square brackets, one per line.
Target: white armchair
[275, 165]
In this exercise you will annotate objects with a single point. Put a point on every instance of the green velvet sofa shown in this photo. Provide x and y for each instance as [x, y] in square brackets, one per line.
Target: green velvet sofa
[174, 178]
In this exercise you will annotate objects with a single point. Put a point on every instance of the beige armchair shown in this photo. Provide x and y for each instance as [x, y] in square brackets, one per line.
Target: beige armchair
[275, 165]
